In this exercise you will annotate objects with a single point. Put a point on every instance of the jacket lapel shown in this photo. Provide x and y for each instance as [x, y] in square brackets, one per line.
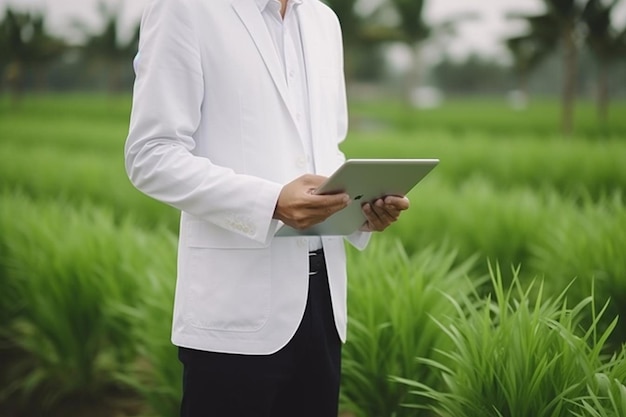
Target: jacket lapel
[249, 14]
[313, 57]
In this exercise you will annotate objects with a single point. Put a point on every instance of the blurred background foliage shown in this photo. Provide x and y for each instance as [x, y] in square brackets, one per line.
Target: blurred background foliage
[500, 293]
[574, 48]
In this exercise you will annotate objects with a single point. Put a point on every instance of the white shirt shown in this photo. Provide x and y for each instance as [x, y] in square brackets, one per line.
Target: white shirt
[285, 33]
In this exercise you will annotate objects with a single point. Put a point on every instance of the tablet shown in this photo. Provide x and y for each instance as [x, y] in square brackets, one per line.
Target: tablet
[364, 180]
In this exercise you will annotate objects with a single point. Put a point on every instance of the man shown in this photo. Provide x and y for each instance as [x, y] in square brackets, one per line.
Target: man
[238, 110]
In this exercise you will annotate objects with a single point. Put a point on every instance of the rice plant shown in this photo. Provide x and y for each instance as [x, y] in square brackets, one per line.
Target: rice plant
[69, 270]
[477, 219]
[157, 375]
[607, 395]
[522, 160]
[87, 270]
[391, 298]
[587, 244]
[488, 116]
[518, 355]
[47, 171]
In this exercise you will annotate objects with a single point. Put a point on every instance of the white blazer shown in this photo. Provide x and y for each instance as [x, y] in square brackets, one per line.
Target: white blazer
[212, 133]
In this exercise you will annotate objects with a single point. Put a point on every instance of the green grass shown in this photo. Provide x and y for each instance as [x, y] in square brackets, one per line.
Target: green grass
[587, 244]
[488, 116]
[573, 167]
[69, 273]
[45, 172]
[607, 394]
[520, 354]
[87, 265]
[392, 296]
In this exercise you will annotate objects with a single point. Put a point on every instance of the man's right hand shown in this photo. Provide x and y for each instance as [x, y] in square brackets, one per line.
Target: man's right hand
[299, 208]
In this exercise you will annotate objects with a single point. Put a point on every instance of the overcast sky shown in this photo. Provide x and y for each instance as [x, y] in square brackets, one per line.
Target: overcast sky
[483, 35]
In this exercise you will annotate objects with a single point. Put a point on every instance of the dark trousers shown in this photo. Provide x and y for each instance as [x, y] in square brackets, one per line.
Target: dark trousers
[301, 379]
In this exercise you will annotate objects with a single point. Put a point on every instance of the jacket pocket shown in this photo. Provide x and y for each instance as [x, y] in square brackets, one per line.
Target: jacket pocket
[228, 289]
[225, 278]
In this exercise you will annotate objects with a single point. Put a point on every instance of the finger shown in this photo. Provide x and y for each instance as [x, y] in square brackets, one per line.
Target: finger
[386, 216]
[323, 206]
[375, 223]
[398, 203]
[382, 212]
[390, 210]
[334, 202]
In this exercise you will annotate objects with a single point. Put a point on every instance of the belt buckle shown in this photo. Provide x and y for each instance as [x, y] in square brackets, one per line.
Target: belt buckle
[316, 259]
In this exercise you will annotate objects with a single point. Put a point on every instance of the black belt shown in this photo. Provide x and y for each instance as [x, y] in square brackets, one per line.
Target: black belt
[316, 262]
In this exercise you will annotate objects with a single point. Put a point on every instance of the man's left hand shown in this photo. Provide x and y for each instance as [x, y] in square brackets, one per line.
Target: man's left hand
[381, 213]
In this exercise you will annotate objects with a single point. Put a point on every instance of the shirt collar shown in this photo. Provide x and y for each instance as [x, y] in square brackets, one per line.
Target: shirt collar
[262, 4]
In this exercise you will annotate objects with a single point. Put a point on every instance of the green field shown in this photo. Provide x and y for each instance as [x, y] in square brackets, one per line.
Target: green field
[506, 278]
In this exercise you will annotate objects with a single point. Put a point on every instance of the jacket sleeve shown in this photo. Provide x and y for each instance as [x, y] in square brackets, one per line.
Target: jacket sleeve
[166, 112]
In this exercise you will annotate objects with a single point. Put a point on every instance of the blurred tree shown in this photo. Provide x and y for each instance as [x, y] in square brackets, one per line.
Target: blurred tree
[531, 49]
[25, 45]
[607, 44]
[351, 25]
[361, 38]
[413, 30]
[560, 27]
[110, 55]
[566, 15]
[351, 22]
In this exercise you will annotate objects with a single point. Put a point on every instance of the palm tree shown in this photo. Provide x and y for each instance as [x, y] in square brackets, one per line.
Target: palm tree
[560, 27]
[566, 16]
[530, 49]
[607, 44]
